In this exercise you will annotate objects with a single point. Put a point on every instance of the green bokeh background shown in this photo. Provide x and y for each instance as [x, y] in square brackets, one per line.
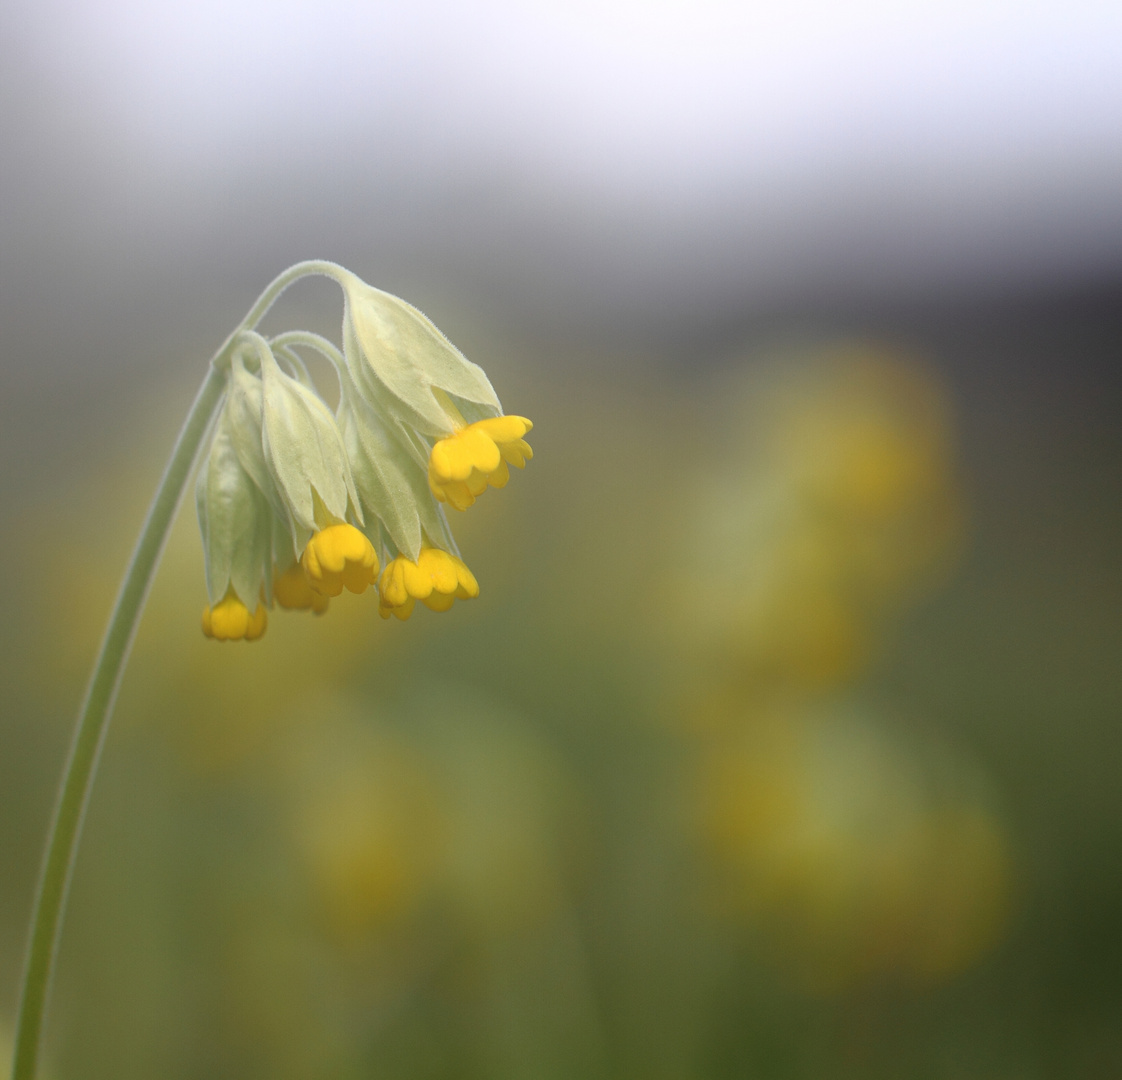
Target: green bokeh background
[483, 843]
[783, 741]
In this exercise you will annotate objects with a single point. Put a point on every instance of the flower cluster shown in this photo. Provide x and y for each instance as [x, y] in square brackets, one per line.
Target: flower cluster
[296, 503]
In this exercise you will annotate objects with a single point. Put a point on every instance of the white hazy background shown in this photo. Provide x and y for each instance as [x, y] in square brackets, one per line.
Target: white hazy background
[574, 162]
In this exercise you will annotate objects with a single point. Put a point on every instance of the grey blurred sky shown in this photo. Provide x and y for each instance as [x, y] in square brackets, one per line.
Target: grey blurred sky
[599, 160]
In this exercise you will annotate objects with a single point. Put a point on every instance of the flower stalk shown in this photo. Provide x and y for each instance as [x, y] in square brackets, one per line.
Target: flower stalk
[101, 694]
[294, 505]
[93, 722]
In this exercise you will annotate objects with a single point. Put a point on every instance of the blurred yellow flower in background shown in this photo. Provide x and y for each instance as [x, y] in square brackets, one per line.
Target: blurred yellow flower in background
[846, 852]
[217, 706]
[833, 504]
[440, 806]
[850, 854]
[432, 841]
[369, 822]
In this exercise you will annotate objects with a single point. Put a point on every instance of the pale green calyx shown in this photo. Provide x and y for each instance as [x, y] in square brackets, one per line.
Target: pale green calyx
[236, 522]
[243, 413]
[407, 368]
[304, 452]
[392, 486]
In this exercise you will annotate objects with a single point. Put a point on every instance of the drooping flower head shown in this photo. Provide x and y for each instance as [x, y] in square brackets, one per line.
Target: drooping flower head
[296, 503]
[448, 410]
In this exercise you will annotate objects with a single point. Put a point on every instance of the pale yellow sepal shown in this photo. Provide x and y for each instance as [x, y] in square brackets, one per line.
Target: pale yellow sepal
[437, 578]
[340, 556]
[230, 620]
[462, 466]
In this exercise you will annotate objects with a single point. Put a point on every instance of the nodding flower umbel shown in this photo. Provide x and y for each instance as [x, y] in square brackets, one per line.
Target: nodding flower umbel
[296, 503]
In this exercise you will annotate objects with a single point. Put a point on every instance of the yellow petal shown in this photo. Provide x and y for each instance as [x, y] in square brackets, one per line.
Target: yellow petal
[440, 570]
[500, 477]
[418, 582]
[477, 482]
[516, 453]
[505, 428]
[292, 591]
[392, 586]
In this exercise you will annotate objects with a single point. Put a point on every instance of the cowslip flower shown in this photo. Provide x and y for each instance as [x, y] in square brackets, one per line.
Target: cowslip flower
[231, 620]
[435, 577]
[287, 489]
[338, 556]
[297, 503]
[291, 590]
[445, 405]
[463, 465]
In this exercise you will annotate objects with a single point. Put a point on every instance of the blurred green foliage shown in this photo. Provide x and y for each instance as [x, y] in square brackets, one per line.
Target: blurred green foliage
[678, 796]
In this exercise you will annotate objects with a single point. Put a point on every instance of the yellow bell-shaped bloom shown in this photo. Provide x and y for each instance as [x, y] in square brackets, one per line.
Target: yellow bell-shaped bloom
[339, 556]
[463, 465]
[437, 578]
[230, 620]
[292, 591]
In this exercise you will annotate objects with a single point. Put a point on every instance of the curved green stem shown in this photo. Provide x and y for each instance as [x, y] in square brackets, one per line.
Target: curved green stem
[92, 725]
[310, 268]
[93, 720]
[311, 341]
[284, 344]
[296, 366]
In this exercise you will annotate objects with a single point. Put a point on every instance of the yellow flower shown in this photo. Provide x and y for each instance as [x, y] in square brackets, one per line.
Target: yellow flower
[291, 590]
[462, 465]
[230, 620]
[339, 555]
[436, 579]
[285, 481]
